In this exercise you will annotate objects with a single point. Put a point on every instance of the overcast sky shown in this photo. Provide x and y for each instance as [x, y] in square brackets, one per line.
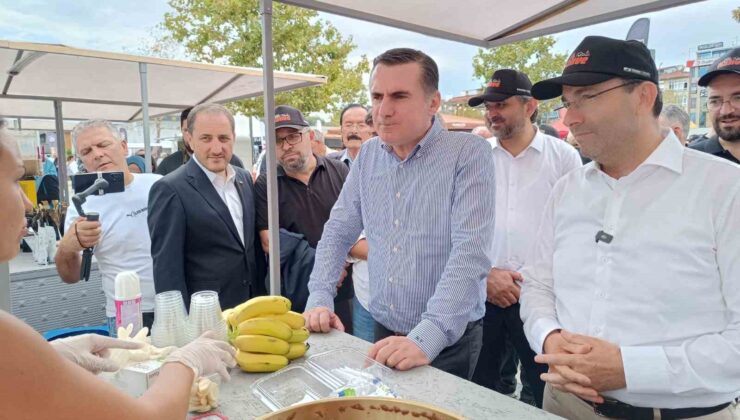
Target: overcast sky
[123, 26]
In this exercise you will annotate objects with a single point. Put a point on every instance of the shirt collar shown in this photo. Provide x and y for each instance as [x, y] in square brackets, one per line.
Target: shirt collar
[346, 157]
[425, 142]
[668, 154]
[212, 176]
[537, 143]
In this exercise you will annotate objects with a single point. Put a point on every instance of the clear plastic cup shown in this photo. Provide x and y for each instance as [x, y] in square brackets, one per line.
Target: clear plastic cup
[205, 315]
[170, 320]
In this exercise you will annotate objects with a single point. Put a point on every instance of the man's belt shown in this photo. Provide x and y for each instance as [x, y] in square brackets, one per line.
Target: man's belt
[619, 410]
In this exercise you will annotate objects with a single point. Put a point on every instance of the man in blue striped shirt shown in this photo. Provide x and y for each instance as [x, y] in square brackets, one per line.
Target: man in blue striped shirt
[425, 197]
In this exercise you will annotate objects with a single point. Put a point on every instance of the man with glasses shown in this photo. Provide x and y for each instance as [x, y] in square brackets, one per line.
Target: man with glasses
[528, 163]
[723, 106]
[631, 294]
[308, 187]
[354, 130]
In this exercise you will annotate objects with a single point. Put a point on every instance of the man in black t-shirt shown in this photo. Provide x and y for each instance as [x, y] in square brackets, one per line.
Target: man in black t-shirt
[723, 107]
[308, 187]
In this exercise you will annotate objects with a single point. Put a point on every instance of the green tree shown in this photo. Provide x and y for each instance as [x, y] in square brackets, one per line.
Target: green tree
[230, 32]
[736, 14]
[534, 57]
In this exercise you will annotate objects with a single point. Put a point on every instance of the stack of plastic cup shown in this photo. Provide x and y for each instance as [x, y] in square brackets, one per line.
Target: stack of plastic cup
[170, 320]
[205, 315]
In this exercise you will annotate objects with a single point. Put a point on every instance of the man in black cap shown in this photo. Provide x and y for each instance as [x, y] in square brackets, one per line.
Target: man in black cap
[634, 306]
[527, 162]
[308, 187]
[723, 106]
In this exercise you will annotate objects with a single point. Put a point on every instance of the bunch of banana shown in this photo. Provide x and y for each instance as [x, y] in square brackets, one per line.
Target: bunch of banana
[266, 333]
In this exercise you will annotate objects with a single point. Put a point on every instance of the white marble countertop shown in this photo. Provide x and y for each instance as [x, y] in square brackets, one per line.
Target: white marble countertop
[425, 384]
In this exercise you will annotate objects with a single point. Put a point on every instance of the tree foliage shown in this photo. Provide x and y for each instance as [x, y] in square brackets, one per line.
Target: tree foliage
[230, 32]
[534, 57]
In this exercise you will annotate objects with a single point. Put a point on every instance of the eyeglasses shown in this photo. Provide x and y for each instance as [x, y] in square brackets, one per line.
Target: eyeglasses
[576, 103]
[356, 126]
[715, 103]
[292, 139]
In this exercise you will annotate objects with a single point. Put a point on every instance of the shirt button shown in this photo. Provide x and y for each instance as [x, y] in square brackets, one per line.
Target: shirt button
[398, 194]
[390, 279]
[395, 249]
[396, 222]
[391, 307]
[400, 165]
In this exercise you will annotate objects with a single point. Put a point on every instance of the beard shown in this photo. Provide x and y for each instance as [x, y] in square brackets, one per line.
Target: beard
[731, 134]
[506, 130]
[298, 164]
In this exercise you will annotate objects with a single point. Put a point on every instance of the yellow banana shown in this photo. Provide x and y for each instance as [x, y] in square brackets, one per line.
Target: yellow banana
[299, 335]
[293, 319]
[297, 350]
[262, 305]
[265, 326]
[261, 344]
[251, 362]
[225, 314]
[231, 320]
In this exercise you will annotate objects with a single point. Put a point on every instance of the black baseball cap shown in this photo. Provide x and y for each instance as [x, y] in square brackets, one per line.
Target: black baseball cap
[287, 116]
[598, 59]
[728, 63]
[503, 85]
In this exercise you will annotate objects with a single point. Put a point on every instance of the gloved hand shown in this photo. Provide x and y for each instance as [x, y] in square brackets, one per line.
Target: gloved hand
[92, 351]
[205, 356]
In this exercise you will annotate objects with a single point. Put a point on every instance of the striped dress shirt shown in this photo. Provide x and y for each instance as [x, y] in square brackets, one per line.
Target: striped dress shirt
[429, 223]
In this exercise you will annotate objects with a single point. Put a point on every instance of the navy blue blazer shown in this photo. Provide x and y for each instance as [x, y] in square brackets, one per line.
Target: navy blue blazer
[195, 244]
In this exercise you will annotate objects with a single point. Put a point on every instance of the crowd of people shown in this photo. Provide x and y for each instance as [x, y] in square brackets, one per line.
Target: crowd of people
[610, 272]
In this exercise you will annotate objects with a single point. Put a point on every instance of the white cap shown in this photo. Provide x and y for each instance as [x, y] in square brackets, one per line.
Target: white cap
[127, 285]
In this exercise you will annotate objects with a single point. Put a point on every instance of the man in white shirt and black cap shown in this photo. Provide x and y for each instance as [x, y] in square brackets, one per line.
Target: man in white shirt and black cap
[632, 291]
[528, 163]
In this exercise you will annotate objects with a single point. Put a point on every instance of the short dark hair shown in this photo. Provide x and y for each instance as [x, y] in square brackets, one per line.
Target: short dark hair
[184, 115]
[369, 117]
[397, 56]
[209, 108]
[347, 108]
[657, 105]
[524, 99]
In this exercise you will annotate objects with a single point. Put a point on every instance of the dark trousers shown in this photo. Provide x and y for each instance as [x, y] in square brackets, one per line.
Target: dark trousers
[458, 359]
[498, 324]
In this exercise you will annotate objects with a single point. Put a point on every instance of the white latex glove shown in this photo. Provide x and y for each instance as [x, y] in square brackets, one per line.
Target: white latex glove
[203, 395]
[146, 352]
[205, 356]
[92, 351]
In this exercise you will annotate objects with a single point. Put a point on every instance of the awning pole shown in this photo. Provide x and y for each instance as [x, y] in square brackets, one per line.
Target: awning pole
[272, 192]
[61, 153]
[145, 117]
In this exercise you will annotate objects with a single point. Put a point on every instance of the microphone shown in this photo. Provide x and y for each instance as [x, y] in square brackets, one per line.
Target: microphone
[604, 237]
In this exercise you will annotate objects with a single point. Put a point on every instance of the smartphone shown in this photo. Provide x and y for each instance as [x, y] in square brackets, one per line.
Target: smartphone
[81, 182]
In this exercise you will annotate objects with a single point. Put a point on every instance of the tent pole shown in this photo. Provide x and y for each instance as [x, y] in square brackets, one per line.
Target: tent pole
[145, 117]
[272, 191]
[61, 153]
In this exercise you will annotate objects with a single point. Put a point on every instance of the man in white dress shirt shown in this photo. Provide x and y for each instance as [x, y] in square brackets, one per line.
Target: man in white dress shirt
[528, 163]
[632, 292]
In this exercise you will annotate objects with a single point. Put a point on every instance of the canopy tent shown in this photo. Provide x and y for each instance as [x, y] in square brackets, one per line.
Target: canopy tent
[486, 23]
[96, 84]
[59, 82]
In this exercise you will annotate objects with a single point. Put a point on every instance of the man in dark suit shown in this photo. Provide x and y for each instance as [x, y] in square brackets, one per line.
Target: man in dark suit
[201, 217]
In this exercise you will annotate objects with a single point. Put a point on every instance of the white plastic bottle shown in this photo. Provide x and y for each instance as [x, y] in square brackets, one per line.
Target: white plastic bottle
[127, 297]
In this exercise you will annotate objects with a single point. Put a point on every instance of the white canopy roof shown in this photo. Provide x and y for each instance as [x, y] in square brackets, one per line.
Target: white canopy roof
[487, 23]
[96, 84]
